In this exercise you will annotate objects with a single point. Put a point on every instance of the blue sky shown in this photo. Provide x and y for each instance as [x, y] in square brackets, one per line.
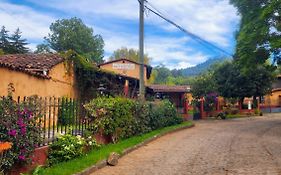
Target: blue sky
[117, 22]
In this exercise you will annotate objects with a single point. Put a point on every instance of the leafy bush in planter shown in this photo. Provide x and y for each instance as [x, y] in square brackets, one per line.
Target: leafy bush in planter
[19, 125]
[141, 112]
[122, 118]
[113, 116]
[163, 114]
[68, 147]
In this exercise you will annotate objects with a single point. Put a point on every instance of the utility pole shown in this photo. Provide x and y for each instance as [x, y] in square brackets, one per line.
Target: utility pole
[141, 54]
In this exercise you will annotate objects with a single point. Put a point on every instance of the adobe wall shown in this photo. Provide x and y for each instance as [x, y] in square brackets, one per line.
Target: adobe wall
[61, 83]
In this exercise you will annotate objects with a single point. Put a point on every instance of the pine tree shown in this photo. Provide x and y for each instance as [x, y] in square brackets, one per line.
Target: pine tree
[5, 45]
[18, 44]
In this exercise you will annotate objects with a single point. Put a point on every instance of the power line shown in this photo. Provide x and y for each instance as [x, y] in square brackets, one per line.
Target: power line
[202, 41]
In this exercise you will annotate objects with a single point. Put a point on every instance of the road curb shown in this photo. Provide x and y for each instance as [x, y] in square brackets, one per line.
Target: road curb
[103, 163]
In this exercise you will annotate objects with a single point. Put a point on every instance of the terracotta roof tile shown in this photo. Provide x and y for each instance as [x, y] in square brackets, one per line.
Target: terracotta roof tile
[33, 64]
[166, 88]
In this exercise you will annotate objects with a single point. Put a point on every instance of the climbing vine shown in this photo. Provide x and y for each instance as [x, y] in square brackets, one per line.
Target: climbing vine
[89, 78]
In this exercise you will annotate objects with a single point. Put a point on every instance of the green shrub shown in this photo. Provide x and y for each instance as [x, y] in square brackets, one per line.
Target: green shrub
[113, 116]
[65, 148]
[141, 112]
[163, 114]
[68, 147]
[122, 118]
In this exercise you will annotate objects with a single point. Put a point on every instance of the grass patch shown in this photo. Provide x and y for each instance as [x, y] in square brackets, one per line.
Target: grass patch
[81, 163]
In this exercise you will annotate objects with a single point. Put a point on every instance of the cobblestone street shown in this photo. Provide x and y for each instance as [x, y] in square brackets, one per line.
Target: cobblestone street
[238, 146]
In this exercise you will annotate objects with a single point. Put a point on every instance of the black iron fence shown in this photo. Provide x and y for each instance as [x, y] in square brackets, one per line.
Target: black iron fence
[58, 116]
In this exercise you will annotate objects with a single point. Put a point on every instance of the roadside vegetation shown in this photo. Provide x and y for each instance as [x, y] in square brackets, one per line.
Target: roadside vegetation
[101, 153]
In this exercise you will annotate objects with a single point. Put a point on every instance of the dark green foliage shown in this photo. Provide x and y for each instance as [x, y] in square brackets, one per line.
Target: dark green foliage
[12, 44]
[259, 34]
[203, 85]
[258, 40]
[67, 112]
[42, 48]
[18, 44]
[163, 114]
[230, 80]
[141, 110]
[113, 116]
[89, 77]
[231, 83]
[73, 34]
[162, 74]
[4, 40]
[122, 118]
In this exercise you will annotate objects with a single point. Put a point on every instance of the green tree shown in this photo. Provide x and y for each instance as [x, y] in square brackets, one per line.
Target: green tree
[130, 54]
[259, 34]
[257, 41]
[42, 48]
[231, 83]
[162, 74]
[203, 85]
[73, 34]
[4, 40]
[18, 45]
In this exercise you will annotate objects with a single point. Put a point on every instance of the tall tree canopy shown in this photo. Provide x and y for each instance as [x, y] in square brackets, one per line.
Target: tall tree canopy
[12, 44]
[42, 48]
[162, 73]
[256, 43]
[4, 40]
[130, 54]
[259, 36]
[18, 44]
[73, 34]
[203, 84]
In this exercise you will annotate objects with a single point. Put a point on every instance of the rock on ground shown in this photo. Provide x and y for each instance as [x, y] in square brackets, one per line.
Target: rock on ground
[113, 159]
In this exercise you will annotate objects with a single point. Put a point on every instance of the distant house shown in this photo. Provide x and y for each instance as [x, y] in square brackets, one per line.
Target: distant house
[126, 67]
[272, 102]
[36, 74]
[128, 70]
[179, 95]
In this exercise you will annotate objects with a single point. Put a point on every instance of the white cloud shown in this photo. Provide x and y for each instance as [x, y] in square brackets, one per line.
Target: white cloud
[214, 20]
[170, 51]
[210, 19]
[34, 25]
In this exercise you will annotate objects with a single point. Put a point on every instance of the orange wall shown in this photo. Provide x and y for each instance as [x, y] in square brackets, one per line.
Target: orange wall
[61, 83]
[130, 73]
[274, 99]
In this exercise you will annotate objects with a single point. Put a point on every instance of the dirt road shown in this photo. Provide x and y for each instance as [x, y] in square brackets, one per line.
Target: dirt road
[239, 146]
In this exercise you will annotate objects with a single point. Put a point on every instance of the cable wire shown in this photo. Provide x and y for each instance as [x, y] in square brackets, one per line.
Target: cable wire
[200, 40]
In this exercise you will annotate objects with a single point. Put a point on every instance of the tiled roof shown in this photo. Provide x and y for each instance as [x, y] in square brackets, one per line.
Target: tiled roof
[33, 64]
[166, 88]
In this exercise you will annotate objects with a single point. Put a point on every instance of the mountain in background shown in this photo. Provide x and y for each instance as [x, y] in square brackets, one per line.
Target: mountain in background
[196, 70]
